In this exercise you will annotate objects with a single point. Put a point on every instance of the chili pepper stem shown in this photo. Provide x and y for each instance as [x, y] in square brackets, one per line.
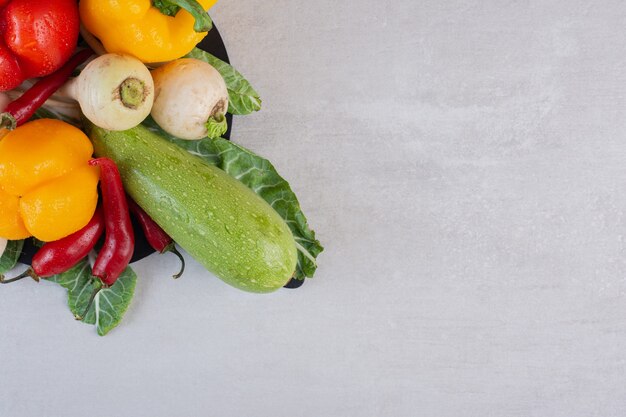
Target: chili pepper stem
[172, 248]
[91, 300]
[7, 122]
[28, 273]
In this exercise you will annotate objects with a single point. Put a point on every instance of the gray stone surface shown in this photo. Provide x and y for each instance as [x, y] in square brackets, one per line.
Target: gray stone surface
[464, 163]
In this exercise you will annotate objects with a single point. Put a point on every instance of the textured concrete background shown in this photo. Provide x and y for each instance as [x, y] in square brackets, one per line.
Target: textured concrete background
[464, 163]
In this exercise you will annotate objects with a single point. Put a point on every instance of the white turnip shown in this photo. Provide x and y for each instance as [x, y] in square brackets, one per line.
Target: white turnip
[115, 92]
[191, 99]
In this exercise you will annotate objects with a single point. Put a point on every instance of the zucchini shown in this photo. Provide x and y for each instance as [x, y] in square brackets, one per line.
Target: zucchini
[220, 222]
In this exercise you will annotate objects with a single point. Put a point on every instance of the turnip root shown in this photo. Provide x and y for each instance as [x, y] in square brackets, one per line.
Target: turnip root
[191, 99]
[115, 92]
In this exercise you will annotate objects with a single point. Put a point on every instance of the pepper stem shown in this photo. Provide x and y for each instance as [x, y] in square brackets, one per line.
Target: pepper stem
[172, 248]
[7, 121]
[171, 7]
[28, 273]
[216, 126]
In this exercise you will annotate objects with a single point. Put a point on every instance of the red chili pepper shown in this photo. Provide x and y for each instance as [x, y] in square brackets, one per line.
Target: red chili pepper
[61, 255]
[155, 235]
[23, 108]
[36, 38]
[120, 239]
[57, 257]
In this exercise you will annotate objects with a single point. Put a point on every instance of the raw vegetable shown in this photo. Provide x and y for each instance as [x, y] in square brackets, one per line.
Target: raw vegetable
[57, 257]
[191, 99]
[152, 31]
[261, 177]
[11, 223]
[155, 235]
[215, 218]
[119, 242]
[237, 236]
[37, 37]
[47, 190]
[22, 109]
[114, 91]
[243, 98]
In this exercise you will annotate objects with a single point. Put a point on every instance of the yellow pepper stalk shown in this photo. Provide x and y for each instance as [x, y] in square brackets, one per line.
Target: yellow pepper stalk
[152, 31]
[47, 188]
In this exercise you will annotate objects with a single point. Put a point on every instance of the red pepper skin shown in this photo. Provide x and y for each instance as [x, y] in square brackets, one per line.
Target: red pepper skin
[158, 239]
[36, 38]
[23, 108]
[155, 235]
[119, 242]
[59, 256]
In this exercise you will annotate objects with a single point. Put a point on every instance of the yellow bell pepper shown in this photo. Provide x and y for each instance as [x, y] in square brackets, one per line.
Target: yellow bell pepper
[139, 28]
[47, 189]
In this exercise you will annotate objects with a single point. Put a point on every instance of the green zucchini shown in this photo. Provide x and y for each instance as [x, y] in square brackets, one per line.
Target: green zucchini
[220, 222]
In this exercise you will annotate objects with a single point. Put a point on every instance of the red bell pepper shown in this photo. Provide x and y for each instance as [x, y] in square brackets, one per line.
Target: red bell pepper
[36, 38]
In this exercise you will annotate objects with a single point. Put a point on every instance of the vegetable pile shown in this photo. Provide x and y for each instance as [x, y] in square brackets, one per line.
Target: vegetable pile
[125, 126]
